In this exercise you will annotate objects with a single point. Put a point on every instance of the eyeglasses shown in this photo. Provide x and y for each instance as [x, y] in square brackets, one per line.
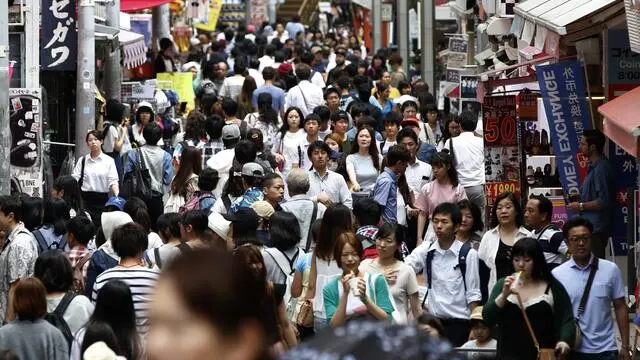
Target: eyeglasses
[583, 238]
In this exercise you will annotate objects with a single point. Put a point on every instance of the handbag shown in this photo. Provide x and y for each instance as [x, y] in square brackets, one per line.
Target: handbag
[305, 315]
[137, 182]
[543, 354]
[583, 301]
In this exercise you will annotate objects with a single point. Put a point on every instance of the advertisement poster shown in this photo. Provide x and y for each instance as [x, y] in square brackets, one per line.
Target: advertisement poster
[58, 35]
[181, 83]
[528, 107]
[259, 12]
[457, 57]
[26, 149]
[559, 215]
[499, 119]
[468, 86]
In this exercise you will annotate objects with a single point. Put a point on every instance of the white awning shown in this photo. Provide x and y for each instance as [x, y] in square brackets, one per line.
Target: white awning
[134, 49]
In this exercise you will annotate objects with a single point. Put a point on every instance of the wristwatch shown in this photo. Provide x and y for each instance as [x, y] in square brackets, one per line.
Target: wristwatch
[581, 207]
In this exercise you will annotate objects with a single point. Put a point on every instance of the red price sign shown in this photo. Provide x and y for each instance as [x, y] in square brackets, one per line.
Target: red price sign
[500, 125]
[494, 189]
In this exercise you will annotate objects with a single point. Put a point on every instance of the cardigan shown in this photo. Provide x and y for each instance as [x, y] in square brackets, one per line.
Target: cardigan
[379, 294]
[489, 248]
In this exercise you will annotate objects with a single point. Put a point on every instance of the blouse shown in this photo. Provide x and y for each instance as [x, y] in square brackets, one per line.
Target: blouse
[433, 194]
[269, 131]
[376, 287]
[99, 173]
[366, 173]
[288, 147]
[488, 250]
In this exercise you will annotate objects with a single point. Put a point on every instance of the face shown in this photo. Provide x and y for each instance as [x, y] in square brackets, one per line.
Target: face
[319, 158]
[532, 215]
[481, 332]
[279, 28]
[523, 263]
[443, 226]
[440, 172]
[332, 145]
[406, 90]
[333, 100]
[340, 58]
[409, 112]
[430, 330]
[340, 126]
[578, 242]
[377, 63]
[349, 258]
[386, 246]
[432, 116]
[467, 220]
[144, 117]
[6, 220]
[274, 192]
[94, 143]
[194, 72]
[386, 78]
[362, 70]
[311, 127]
[584, 146]
[221, 70]
[454, 128]
[506, 212]
[293, 118]
[364, 139]
[391, 129]
[410, 146]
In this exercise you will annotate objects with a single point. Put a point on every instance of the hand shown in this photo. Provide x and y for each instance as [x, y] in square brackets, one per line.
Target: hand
[362, 290]
[279, 158]
[324, 199]
[355, 187]
[506, 289]
[562, 350]
[574, 207]
[412, 212]
[345, 283]
[624, 353]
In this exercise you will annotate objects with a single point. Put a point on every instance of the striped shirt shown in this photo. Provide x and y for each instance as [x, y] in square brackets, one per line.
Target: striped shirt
[141, 280]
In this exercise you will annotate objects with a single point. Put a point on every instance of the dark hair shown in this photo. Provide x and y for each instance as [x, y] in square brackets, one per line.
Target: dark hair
[516, 206]
[340, 115]
[367, 212]
[373, 148]
[82, 229]
[265, 109]
[406, 132]
[6, 354]
[32, 211]
[190, 163]
[392, 118]
[544, 205]
[357, 109]
[397, 154]
[408, 104]
[214, 126]
[13, 204]
[195, 126]
[448, 209]
[595, 137]
[29, 299]
[380, 88]
[129, 240]
[248, 87]
[96, 133]
[311, 117]
[344, 83]
[387, 230]
[268, 73]
[72, 196]
[100, 331]
[208, 179]
[443, 159]
[268, 179]
[430, 320]
[239, 67]
[335, 221]
[324, 113]
[255, 136]
[530, 247]
[395, 59]
[229, 106]
[245, 152]
[152, 133]
[168, 225]
[344, 239]
[478, 224]
[285, 122]
[114, 306]
[403, 84]
[318, 145]
[329, 91]
[284, 231]
[468, 121]
[197, 219]
[139, 212]
[446, 135]
[575, 222]
[234, 185]
[303, 71]
[54, 269]
[114, 110]
[56, 214]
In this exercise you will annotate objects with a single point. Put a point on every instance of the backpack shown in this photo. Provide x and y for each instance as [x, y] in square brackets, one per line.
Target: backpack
[56, 318]
[287, 266]
[194, 202]
[137, 182]
[462, 266]
[78, 275]
[42, 243]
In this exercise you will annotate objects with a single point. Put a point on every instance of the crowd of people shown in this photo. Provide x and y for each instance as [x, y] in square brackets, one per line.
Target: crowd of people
[308, 191]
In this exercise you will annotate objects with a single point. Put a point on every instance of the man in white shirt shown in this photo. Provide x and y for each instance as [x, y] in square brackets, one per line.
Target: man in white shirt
[254, 64]
[468, 153]
[326, 186]
[452, 279]
[306, 95]
[267, 59]
[538, 213]
[301, 205]
[223, 160]
[232, 85]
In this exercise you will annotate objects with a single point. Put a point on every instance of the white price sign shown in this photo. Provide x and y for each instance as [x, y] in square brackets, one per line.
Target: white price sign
[386, 12]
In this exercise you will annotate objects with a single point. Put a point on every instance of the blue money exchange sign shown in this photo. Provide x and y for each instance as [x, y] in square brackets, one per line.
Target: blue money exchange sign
[59, 38]
[562, 86]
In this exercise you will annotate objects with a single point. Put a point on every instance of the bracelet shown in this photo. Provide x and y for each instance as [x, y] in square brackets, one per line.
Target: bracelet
[581, 207]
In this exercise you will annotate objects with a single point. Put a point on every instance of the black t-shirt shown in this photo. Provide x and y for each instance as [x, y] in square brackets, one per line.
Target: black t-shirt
[504, 263]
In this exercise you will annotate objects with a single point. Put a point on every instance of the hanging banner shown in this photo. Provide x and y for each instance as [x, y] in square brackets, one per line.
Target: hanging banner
[26, 149]
[181, 83]
[58, 37]
[562, 89]
[624, 170]
[499, 119]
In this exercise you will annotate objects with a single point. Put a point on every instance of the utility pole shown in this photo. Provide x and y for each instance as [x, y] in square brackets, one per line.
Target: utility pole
[428, 55]
[113, 73]
[402, 18]
[5, 133]
[160, 25]
[85, 98]
[377, 25]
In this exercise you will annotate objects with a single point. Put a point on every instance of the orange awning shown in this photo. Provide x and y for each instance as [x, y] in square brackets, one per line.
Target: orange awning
[621, 123]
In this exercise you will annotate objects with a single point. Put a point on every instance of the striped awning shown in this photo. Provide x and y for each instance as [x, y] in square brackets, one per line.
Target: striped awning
[134, 49]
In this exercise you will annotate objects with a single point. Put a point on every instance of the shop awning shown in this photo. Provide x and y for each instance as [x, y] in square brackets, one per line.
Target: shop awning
[135, 5]
[621, 122]
[134, 48]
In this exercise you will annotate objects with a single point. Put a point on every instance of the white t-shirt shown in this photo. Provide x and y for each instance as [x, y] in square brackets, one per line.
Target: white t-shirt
[472, 344]
[78, 312]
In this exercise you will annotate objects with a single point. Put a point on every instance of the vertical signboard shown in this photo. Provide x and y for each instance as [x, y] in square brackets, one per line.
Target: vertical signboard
[58, 38]
[26, 147]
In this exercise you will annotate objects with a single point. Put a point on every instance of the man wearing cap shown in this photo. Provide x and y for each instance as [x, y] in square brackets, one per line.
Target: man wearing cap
[252, 177]
[222, 161]
[425, 151]
[306, 95]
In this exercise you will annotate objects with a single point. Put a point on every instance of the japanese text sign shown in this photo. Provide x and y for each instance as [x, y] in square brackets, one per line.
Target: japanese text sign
[624, 64]
[59, 37]
[500, 127]
[562, 88]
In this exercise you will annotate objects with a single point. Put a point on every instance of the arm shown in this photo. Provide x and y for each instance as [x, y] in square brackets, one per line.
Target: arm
[313, 274]
[113, 178]
[335, 306]
[472, 276]
[564, 322]
[381, 192]
[351, 171]
[416, 306]
[296, 285]
[417, 258]
[168, 169]
[345, 194]
[77, 169]
[492, 310]
[382, 308]
[132, 157]
[287, 330]
[117, 146]
[422, 220]
[622, 318]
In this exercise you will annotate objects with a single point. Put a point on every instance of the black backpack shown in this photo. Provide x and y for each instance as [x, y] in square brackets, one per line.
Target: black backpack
[56, 318]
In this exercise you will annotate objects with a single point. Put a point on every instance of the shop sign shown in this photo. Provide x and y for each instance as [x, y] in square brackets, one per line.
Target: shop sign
[499, 119]
[457, 57]
[623, 63]
[137, 91]
[386, 12]
[528, 107]
[59, 36]
[453, 76]
[559, 214]
[26, 140]
[624, 170]
[562, 89]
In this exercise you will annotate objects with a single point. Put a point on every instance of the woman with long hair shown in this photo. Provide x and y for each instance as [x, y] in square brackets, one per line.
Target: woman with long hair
[335, 221]
[51, 235]
[381, 98]
[209, 303]
[185, 182]
[264, 157]
[401, 278]
[363, 164]
[443, 188]
[114, 307]
[266, 120]
[532, 289]
[285, 145]
[506, 229]
[32, 211]
[334, 141]
[244, 98]
[195, 134]
[450, 130]
[67, 188]
[471, 224]
[355, 294]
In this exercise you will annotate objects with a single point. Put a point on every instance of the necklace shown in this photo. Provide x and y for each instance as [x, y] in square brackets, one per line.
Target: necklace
[129, 266]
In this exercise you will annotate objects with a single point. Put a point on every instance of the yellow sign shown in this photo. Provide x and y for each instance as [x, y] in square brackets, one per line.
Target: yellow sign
[214, 13]
[181, 83]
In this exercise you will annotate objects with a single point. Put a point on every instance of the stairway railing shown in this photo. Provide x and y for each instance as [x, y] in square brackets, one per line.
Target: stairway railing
[308, 11]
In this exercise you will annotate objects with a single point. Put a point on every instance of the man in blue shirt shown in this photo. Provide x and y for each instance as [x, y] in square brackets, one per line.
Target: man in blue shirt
[277, 94]
[597, 194]
[596, 323]
[385, 192]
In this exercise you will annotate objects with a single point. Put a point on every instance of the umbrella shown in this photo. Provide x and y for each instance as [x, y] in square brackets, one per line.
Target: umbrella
[368, 340]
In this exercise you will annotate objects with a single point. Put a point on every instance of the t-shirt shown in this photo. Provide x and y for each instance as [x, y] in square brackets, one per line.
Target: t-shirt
[277, 97]
[366, 173]
[167, 252]
[472, 344]
[78, 312]
[274, 273]
[402, 284]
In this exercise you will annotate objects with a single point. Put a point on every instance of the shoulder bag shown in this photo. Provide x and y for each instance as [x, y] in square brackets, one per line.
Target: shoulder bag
[137, 182]
[583, 301]
[543, 354]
